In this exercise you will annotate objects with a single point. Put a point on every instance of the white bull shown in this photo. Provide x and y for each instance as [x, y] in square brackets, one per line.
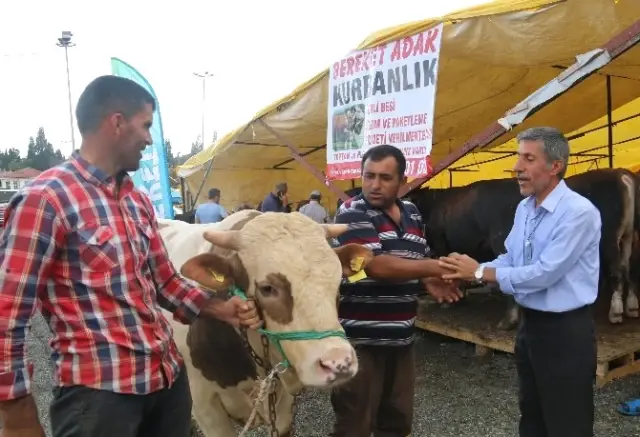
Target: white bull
[284, 263]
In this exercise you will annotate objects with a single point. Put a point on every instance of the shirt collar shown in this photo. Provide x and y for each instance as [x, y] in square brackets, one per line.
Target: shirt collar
[553, 198]
[93, 173]
[369, 206]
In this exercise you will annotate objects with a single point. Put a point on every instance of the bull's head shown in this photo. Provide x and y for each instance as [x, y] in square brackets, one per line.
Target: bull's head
[285, 264]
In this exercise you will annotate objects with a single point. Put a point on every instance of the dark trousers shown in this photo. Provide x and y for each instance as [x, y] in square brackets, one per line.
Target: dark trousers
[79, 411]
[379, 399]
[556, 362]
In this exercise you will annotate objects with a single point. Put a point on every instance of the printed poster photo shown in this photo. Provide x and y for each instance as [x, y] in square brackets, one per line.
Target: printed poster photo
[348, 123]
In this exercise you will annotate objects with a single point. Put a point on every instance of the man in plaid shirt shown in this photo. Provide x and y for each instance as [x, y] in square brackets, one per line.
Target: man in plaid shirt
[82, 243]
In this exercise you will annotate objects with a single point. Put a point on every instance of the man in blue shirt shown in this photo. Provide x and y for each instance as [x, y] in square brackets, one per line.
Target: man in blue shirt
[211, 211]
[551, 267]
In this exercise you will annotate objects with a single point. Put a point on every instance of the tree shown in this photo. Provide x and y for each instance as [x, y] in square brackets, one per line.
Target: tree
[40, 153]
[196, 147]
[169, 153]
[10, 159]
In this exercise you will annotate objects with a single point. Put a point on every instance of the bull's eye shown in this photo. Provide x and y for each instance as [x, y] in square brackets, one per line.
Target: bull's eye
[267, 290]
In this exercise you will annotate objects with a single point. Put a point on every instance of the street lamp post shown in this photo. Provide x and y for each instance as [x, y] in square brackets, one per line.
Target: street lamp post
[204, 77]
[65, 41]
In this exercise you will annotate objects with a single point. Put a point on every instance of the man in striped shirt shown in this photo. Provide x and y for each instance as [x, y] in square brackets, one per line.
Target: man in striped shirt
[83, 242]
[378, 313]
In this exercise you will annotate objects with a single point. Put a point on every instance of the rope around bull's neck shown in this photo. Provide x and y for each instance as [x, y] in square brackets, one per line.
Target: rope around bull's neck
[277, 337]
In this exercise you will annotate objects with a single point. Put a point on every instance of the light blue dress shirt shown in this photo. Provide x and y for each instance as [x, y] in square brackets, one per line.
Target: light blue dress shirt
[210, 212]
[562, 269]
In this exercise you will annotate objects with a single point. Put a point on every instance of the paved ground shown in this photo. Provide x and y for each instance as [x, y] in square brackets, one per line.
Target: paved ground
[457, 394]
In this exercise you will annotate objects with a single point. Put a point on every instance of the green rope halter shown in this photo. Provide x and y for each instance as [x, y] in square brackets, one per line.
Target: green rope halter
[277, 337]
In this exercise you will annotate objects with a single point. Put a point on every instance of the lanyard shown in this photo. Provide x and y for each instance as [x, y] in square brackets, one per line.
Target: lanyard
[527, 249]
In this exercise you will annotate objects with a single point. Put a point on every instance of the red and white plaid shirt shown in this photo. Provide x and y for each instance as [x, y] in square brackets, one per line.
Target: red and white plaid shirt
[94, 261]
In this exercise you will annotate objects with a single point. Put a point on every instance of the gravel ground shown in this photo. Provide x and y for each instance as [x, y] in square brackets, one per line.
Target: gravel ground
[457, 394]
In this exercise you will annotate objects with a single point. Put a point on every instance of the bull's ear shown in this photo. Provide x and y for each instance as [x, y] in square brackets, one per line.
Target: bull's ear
[353, 257]
[209, 270]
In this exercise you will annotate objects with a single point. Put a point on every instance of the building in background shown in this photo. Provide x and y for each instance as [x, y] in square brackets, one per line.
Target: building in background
[10, 183]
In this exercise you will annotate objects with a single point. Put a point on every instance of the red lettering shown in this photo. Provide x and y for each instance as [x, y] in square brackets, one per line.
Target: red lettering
[381, 50]
[336, 70]
[358, 65]
[343, 67]
[418, 47]
[407, 47]
[430, 40]
[396, 53]
[350, 63]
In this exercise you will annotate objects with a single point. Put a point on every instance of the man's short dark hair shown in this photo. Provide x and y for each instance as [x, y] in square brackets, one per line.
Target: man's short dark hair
[213, 193]
[106, 95]
[378, 153]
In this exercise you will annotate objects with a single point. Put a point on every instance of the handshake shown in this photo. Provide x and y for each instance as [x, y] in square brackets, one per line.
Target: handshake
[455, 268]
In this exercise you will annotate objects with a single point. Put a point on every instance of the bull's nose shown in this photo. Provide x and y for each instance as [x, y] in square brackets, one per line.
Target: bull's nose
[338, 362]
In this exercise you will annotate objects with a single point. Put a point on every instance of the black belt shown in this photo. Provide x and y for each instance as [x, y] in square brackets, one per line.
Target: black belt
[537, 314]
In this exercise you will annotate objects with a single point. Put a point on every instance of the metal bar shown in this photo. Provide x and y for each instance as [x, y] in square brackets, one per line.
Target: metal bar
[615, 123]
[298, 157]
[609, 122]
[615, 47]
[185, 206]
[73, 135]
[309, 152]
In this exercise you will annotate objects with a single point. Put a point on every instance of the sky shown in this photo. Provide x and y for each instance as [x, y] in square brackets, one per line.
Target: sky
[258, 51]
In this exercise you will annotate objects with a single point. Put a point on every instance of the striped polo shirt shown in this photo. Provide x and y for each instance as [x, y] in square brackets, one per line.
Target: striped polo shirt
[376, 312]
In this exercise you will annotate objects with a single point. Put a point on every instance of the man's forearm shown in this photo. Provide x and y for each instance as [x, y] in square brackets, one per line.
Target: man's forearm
[393, 268]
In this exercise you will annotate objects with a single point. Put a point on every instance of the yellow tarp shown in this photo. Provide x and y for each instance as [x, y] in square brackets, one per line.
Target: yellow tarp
[493, 56]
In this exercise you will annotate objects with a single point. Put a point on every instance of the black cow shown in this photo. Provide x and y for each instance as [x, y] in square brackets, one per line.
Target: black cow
[476, 219]
[189, 217]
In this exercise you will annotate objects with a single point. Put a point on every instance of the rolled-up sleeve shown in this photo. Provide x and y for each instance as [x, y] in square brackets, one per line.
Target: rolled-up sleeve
[175, 294]
[27, 252]
[575, 232]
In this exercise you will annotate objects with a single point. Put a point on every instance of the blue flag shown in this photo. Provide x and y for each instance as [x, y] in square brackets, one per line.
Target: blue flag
[152, 177]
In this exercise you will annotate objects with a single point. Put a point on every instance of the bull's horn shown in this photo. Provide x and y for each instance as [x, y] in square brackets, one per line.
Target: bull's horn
[335, 230]
[224, 239]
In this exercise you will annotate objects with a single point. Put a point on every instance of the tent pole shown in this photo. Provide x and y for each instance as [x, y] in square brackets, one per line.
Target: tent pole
[295, 153]
[609, 121]
[185, 206]
[616, 46]
[206, 174]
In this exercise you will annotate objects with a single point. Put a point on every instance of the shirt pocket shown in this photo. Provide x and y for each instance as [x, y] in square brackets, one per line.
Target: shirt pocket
[96, 248]
[145, 234]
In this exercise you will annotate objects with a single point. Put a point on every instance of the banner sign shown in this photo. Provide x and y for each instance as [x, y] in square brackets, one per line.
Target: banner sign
[384, 95]
[152, 177]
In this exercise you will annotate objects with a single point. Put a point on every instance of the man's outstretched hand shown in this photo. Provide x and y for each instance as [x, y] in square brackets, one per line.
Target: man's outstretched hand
[235, 311]
[442, 291]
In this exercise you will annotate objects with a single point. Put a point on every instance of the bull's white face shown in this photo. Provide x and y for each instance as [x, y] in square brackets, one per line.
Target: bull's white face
[284, 262]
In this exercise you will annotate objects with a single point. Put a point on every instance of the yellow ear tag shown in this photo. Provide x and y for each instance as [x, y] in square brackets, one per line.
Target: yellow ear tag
[357, 277]
[356, 264]
[217, 276]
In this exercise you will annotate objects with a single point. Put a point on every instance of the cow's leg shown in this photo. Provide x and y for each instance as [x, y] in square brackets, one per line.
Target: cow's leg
[622, 262]
[511, 317]
[617, 307]
[632, 302]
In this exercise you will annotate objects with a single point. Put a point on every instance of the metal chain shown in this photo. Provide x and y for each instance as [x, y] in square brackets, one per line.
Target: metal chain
[265, 364]
[294, 412]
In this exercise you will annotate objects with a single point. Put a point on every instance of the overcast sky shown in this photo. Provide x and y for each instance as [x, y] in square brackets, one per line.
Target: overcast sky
[257, 50]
